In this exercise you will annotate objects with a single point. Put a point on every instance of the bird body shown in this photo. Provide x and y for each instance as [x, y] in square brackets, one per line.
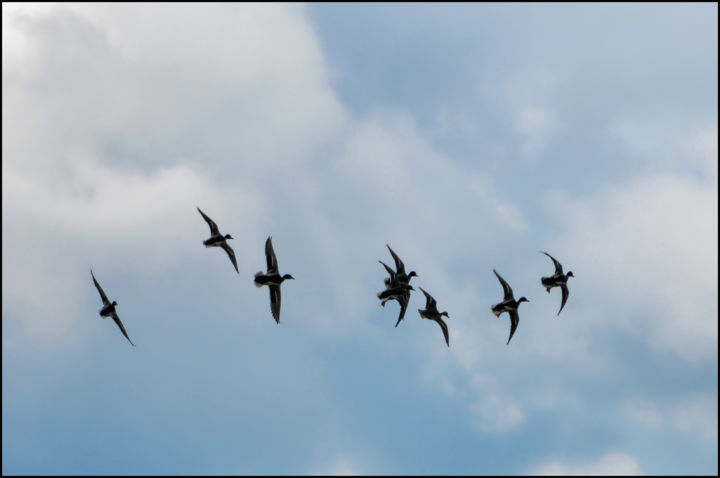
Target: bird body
[431, 313]
[397, 286]
[557, 280]
[509, 305]
[218, 240]
[272, 279]
[108, 309]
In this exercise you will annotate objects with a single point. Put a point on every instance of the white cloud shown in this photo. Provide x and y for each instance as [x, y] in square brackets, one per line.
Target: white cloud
[245, 126]
[670, 145]
[695, 416]
[497, 413]
[645, 258]
[116, 141]
[103, 218]
[616, 463]
[702, 147]
[85, 94]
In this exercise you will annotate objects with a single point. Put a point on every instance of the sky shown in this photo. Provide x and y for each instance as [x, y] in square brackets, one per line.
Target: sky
[468, 137]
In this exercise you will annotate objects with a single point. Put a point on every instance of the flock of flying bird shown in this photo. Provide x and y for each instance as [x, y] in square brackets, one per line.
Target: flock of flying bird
[397, 286]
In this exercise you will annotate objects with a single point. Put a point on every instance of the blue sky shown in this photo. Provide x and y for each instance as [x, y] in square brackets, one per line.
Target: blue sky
[466, 136]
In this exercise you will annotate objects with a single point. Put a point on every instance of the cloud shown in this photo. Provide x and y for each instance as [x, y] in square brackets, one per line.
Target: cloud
[651, 245]
[533, 124]
[701, 147]
[118, 134]
[495, 412]
[616, 463]
[104, 218]
[122, 125]
[695, 416]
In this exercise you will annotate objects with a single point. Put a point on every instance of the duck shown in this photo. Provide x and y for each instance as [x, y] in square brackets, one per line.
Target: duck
[509, 305]
[400, 293]
[431, 313]
[108, 309]
[218, 240]
[557, 280]
[272, 279]
[400, 276]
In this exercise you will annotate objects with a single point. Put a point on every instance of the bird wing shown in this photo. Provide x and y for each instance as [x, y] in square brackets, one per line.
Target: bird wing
[506, 287]
[214, 231]
[389, 270]
[399, 266]
[122, 329]
[558, 266]
[431, 303]
[102, 293]
[444, 328]
[514, 320]
[230, 254]
[565, 293]
[403, 300]
[272, 264]
[275, 302]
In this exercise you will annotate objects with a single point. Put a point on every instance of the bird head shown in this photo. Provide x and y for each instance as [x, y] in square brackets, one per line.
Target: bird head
[412, 274]
[228, 236]
[522, 299]
[570, 274]
[114, 303]
[288, 276]
[445, 314]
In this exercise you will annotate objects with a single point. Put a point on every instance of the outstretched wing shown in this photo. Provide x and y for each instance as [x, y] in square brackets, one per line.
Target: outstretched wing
[122, 329]
[213, 227]
[272, 265]
[399, 266]
[558, 266]
[506, 287]
[431, 303]
[275, 302]
[389, 270]
[230, 254]
[102, 293]
[444, 328]
[565, 293]
[514, 320]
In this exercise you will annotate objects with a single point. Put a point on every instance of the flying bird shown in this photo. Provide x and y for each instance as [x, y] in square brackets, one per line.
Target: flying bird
[272, 279]
[557, 280]
[509, 305]
[108, 309]
[218, 240]
[431, 312]
[397, 286]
